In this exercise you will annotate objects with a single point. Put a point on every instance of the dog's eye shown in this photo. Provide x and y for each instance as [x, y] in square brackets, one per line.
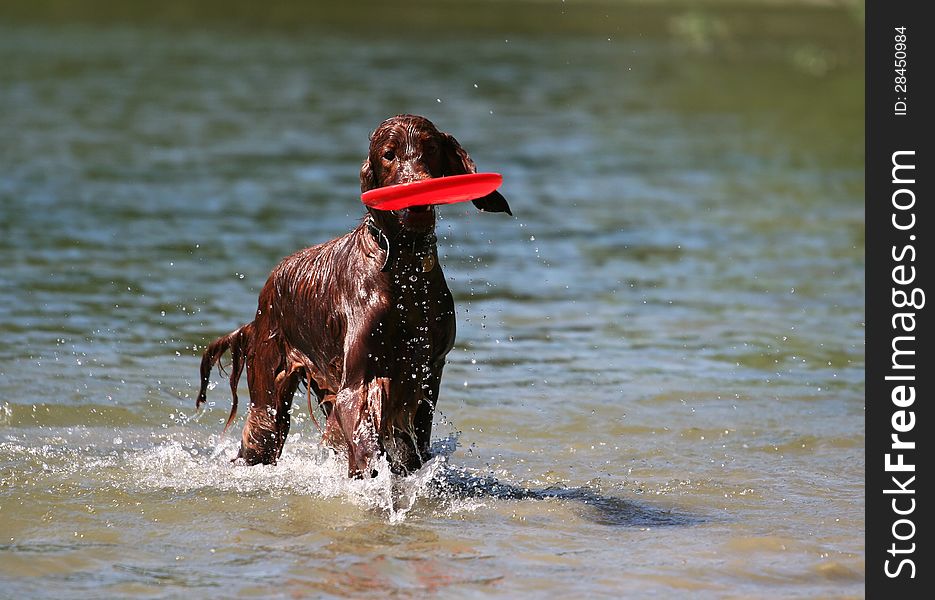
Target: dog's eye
[389, 154]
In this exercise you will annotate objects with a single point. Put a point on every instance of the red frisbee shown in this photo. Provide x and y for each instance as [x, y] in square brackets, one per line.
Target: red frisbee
[441, 190]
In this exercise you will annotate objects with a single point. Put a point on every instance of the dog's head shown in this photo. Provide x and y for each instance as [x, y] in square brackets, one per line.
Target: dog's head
[409, 148]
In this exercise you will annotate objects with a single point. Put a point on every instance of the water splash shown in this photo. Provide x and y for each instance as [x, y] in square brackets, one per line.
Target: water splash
[306, 468]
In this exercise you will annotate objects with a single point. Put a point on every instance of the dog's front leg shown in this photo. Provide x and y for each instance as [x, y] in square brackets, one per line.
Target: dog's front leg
[358, 410]
[425, 413]
[358, 406]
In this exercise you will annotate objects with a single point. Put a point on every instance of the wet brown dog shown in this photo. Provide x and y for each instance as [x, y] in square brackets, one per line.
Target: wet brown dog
[365, 320]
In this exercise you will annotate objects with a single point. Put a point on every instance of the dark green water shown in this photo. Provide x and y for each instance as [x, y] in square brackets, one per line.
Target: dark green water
[658, 383]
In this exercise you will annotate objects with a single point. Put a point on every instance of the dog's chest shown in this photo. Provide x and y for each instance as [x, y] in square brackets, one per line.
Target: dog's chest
[420, 299]
[419, 323]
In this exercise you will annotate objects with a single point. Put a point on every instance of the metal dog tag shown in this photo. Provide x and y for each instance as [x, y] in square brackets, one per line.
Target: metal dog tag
[428, 263]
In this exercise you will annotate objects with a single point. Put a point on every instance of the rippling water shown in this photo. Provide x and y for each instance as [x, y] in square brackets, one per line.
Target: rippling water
[657, 387]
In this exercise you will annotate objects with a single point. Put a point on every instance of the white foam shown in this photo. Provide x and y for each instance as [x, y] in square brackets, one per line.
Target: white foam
[305, 467]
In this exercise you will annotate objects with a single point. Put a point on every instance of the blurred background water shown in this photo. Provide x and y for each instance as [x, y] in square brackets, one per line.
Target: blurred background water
[657, 387]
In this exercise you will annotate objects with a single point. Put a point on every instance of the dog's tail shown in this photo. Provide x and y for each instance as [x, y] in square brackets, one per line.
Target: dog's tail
[238, 342]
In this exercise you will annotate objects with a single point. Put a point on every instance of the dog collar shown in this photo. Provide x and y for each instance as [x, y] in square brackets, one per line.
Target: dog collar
[382, 241]
[422, 246]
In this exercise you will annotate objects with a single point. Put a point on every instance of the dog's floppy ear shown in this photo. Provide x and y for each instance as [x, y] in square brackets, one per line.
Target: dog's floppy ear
[460, 163]
[367, 179]
[493, 202]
